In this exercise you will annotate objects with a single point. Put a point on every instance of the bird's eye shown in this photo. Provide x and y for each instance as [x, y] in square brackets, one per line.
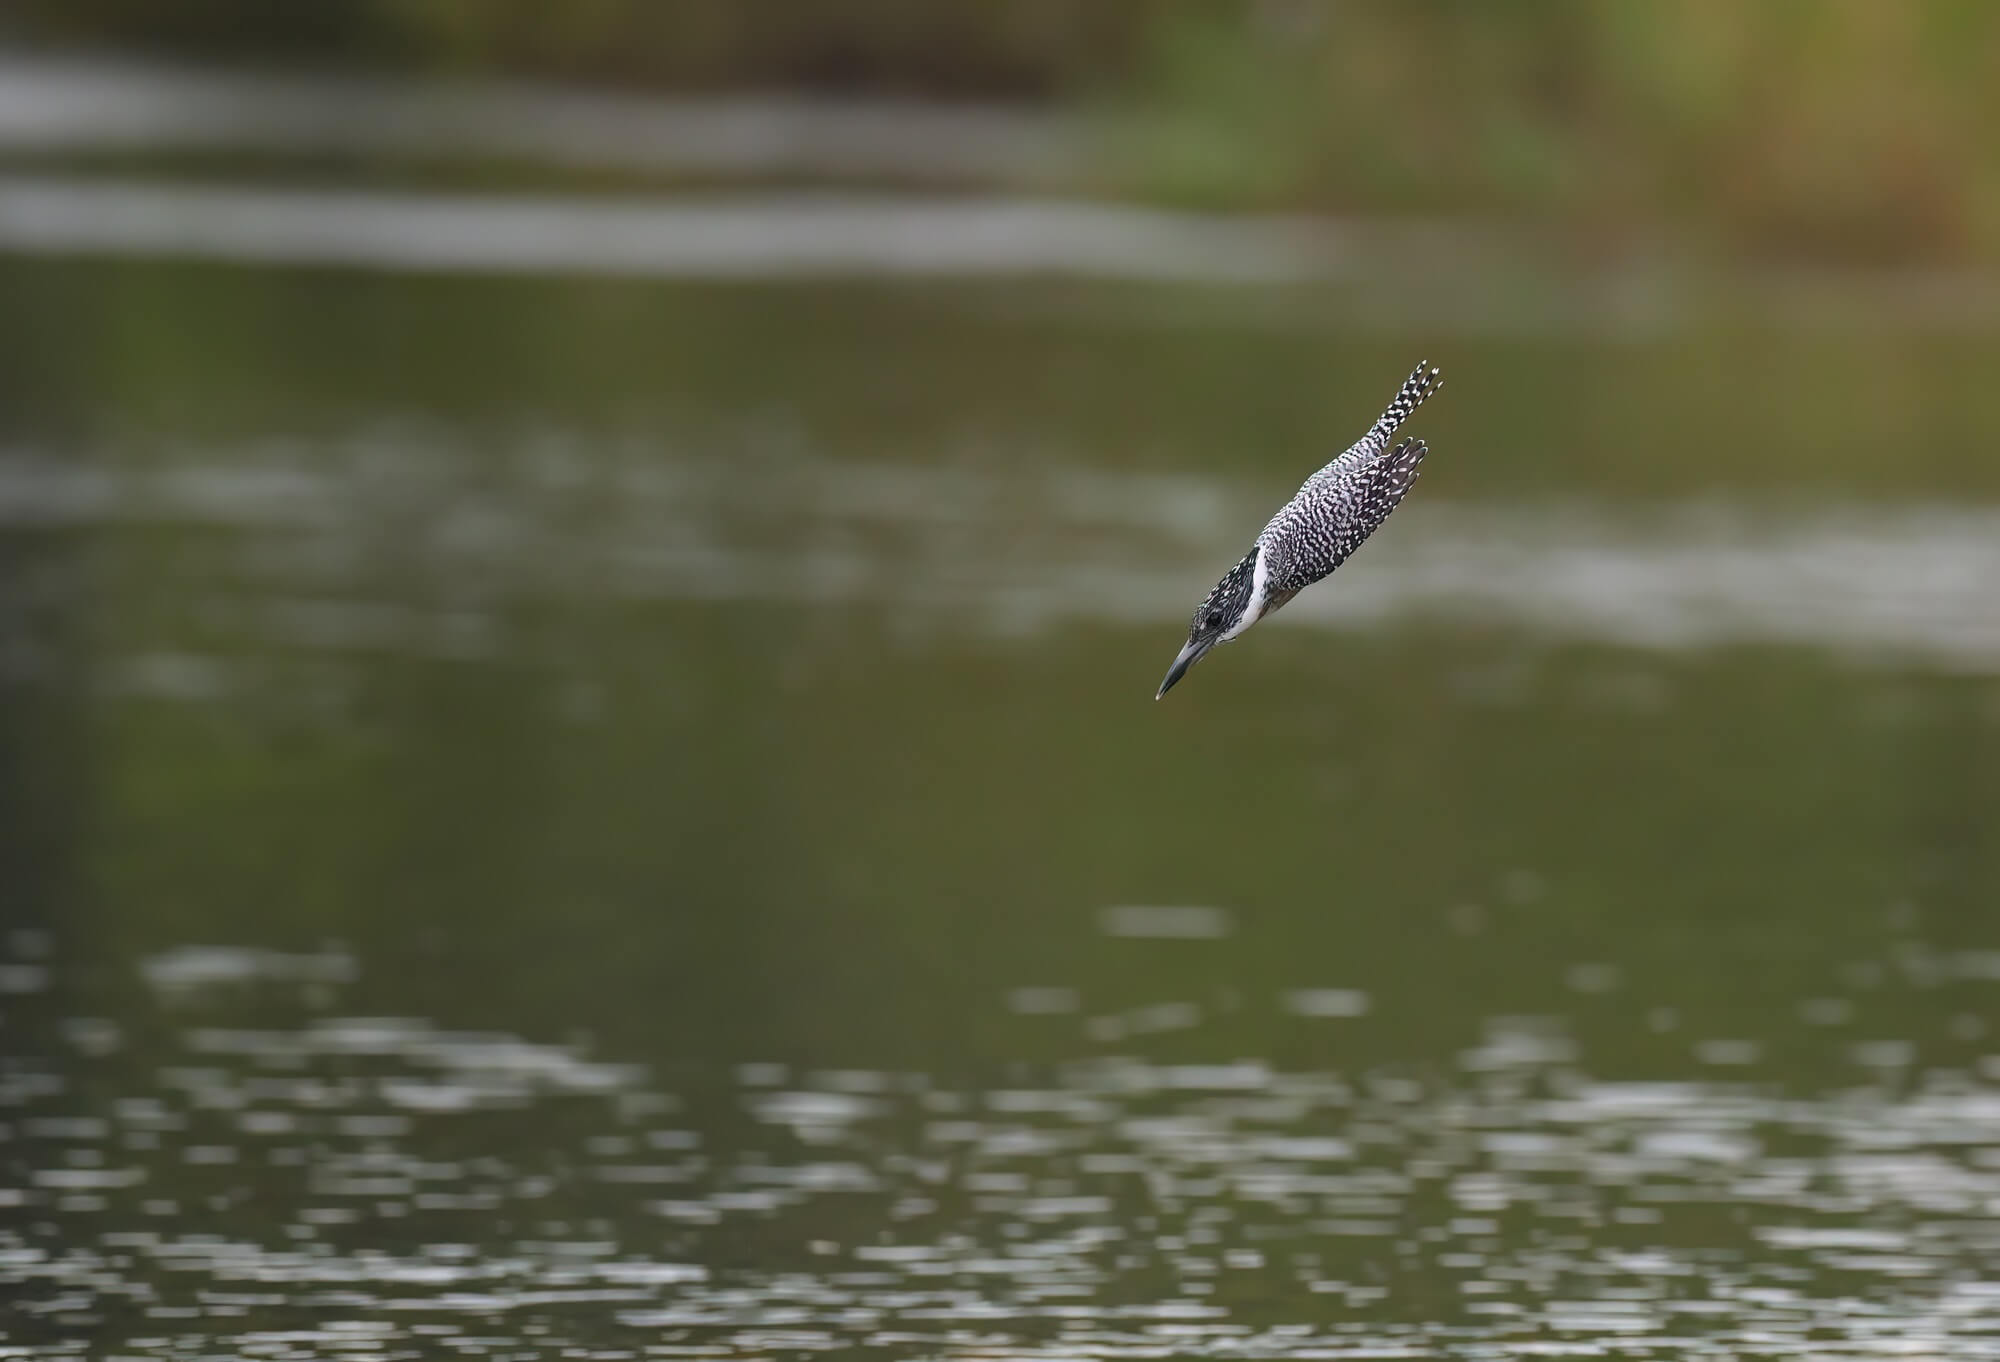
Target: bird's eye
[1214, 619]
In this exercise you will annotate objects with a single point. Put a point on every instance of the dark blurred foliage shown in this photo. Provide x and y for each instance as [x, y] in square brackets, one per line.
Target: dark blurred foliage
[1029, 47]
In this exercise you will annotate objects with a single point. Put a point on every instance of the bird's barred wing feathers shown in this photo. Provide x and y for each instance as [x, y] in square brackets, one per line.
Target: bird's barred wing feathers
[1389, 481]
[1320, 529]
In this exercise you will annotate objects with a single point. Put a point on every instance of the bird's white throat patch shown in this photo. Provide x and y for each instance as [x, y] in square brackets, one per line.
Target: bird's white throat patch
[1259, 593]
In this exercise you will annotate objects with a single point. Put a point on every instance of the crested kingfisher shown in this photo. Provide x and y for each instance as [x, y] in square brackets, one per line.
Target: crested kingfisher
[1314, 532]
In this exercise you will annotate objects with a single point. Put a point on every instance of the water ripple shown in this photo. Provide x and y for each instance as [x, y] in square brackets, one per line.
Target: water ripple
[535, 1195]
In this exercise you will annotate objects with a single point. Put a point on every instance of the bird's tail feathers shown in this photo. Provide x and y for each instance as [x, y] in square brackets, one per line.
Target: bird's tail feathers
[1422, 382]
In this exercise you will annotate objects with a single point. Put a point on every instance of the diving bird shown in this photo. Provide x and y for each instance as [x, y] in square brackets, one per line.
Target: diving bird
[1314, 532]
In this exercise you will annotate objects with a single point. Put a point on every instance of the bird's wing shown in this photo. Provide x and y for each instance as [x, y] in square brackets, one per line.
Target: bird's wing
[1344, 502]
[1321, 527]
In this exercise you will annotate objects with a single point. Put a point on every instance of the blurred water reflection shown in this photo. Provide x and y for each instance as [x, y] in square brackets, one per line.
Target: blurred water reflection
[985, 546]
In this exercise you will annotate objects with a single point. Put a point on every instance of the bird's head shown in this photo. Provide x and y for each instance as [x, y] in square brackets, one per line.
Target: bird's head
[1222, 616]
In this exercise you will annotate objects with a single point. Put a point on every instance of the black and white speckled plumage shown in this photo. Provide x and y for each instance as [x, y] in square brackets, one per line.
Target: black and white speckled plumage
[1317, 530]
[1346, 501]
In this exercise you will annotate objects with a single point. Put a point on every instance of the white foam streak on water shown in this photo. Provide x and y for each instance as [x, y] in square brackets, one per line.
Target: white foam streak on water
[187, 969]
[1914, 580]
[1027, 551]
[1176, 922]
[79, 106]
[756, 236]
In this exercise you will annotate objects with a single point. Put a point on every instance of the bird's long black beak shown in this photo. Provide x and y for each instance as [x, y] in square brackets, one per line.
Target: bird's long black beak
[1189, 655]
